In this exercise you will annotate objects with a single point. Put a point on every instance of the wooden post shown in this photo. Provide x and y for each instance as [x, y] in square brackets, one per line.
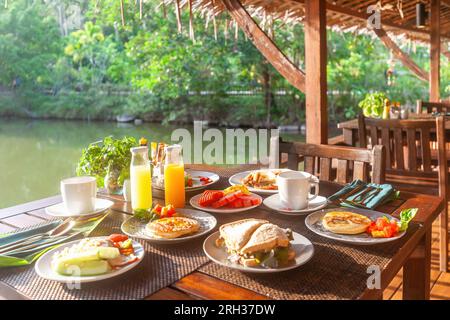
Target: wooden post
[316, 71]
[435, 50]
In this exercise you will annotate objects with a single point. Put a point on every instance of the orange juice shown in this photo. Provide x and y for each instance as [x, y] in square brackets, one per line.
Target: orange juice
[140, 179]
[174, 184]
[141, 187]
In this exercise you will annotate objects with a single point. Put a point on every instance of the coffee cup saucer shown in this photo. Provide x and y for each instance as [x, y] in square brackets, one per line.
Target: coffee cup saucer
[59, 209]
[273, 202]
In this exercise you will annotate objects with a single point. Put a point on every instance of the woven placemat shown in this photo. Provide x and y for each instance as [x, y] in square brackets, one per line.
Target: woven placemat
[162, 265]
[336, 271]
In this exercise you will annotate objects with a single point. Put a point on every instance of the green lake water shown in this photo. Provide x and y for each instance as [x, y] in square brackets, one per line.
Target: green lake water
[36, 154]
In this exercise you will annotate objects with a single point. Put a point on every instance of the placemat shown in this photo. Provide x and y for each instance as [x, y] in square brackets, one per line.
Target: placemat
[336, 271]
[162, 265]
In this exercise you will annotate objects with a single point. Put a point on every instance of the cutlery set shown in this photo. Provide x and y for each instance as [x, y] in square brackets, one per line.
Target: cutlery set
[41, 240]
[361, 195]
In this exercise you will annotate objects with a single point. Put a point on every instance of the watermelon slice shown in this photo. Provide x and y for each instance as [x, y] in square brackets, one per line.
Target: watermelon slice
[227, 199]
[245, 201]
[208, 197]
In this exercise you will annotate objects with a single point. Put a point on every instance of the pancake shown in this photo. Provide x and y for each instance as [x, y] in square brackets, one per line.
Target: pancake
[173, 227]
[345, 222]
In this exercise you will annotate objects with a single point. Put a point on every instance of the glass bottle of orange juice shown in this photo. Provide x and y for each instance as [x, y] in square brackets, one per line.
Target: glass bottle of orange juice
[174, 176]
[140, 179]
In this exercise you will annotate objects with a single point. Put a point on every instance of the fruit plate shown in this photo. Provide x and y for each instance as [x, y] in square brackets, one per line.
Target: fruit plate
[197, 184]
[237, 179]
[314, 223]
[44, 270]
[303, 248]
[194, 202]
[136, 228]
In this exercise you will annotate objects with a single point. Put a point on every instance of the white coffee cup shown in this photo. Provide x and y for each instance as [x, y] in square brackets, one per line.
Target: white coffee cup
[79, 194]
[294, 188]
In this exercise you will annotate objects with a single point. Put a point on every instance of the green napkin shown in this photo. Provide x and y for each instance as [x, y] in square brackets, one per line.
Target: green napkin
[85, 227]
[385, 193]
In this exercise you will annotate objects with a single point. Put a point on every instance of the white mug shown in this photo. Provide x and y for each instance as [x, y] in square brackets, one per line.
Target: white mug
[294, 188]
[79, 194]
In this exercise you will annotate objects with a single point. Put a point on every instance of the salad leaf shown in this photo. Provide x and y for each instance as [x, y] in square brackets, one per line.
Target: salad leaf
[406, 216]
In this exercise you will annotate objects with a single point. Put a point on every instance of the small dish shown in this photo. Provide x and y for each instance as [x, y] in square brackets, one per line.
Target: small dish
[273, 202]
[59, 210]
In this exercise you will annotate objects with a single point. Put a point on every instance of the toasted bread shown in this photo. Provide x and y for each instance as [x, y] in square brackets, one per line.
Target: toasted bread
[236, 234]
[262, 179]
[266, 237]
[345, 222]
[173, 227]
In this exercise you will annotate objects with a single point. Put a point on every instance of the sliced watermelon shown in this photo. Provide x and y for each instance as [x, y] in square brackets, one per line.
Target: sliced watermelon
[245, 201]
[227, 199]
[209, 197]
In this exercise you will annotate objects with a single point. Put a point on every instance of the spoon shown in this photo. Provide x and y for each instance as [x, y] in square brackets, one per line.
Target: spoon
[60, 230]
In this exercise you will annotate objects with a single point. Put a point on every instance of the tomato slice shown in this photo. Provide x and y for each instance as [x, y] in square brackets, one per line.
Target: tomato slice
[158, 208]
[116, 237]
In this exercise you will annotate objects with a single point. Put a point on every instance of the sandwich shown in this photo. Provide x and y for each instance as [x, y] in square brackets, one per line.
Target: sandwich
[256, 242]
[262, 179]
[345, 222]
[173, 227]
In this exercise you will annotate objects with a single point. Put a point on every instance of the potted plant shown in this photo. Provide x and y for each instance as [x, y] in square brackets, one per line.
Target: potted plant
[373, 104]
[109, 161]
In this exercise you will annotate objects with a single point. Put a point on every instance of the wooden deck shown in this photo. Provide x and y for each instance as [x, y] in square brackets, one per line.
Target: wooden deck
[440, 281]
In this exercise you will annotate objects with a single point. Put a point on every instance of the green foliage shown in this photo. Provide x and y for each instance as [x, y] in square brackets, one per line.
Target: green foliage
[29, 43]
[373, 104]
[98, 159]
[145, 68]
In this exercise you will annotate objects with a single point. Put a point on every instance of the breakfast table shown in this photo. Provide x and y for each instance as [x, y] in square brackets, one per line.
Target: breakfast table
[182, 271]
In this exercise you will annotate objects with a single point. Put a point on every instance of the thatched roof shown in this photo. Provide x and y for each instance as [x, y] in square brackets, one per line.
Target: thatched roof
[397, 16]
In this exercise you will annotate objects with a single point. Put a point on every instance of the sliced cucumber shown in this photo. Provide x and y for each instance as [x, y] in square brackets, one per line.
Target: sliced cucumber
[108, 253]
[85, 268]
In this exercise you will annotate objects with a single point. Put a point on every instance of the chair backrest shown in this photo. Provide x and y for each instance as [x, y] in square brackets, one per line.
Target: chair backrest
[429, 107]
[335, 163]
[411, 145]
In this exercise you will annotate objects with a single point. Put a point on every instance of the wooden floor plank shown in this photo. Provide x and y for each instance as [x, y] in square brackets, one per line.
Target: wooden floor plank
[441, 289]
[435, 273]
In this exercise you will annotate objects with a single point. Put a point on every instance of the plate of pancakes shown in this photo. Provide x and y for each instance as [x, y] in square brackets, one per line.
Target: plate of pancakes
[348, 225]
[186, 225]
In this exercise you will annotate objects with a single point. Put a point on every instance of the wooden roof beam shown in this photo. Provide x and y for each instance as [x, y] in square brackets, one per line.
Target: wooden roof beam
[364, 16]
[265, 45]
[400, 55]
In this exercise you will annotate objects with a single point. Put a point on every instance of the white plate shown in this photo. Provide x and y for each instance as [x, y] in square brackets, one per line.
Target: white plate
[303, 248]
[314, 223]
[237, 179]
[196, 180]
[59, 210]
[44, 270]
[273, 202]
[194, 202]
[136, 228]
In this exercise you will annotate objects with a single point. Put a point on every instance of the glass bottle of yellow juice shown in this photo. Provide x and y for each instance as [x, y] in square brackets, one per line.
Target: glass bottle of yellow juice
[174, 176]
[140, 179]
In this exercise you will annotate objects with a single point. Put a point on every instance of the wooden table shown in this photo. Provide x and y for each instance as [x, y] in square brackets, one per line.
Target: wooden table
[414, 256]
[350, 129]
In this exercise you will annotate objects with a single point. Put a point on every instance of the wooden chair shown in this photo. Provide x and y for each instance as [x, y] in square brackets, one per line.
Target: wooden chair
[409, 162]
[331, 163]
[429, 107]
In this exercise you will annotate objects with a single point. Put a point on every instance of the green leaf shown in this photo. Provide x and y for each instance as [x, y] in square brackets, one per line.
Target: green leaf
[406, 216]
